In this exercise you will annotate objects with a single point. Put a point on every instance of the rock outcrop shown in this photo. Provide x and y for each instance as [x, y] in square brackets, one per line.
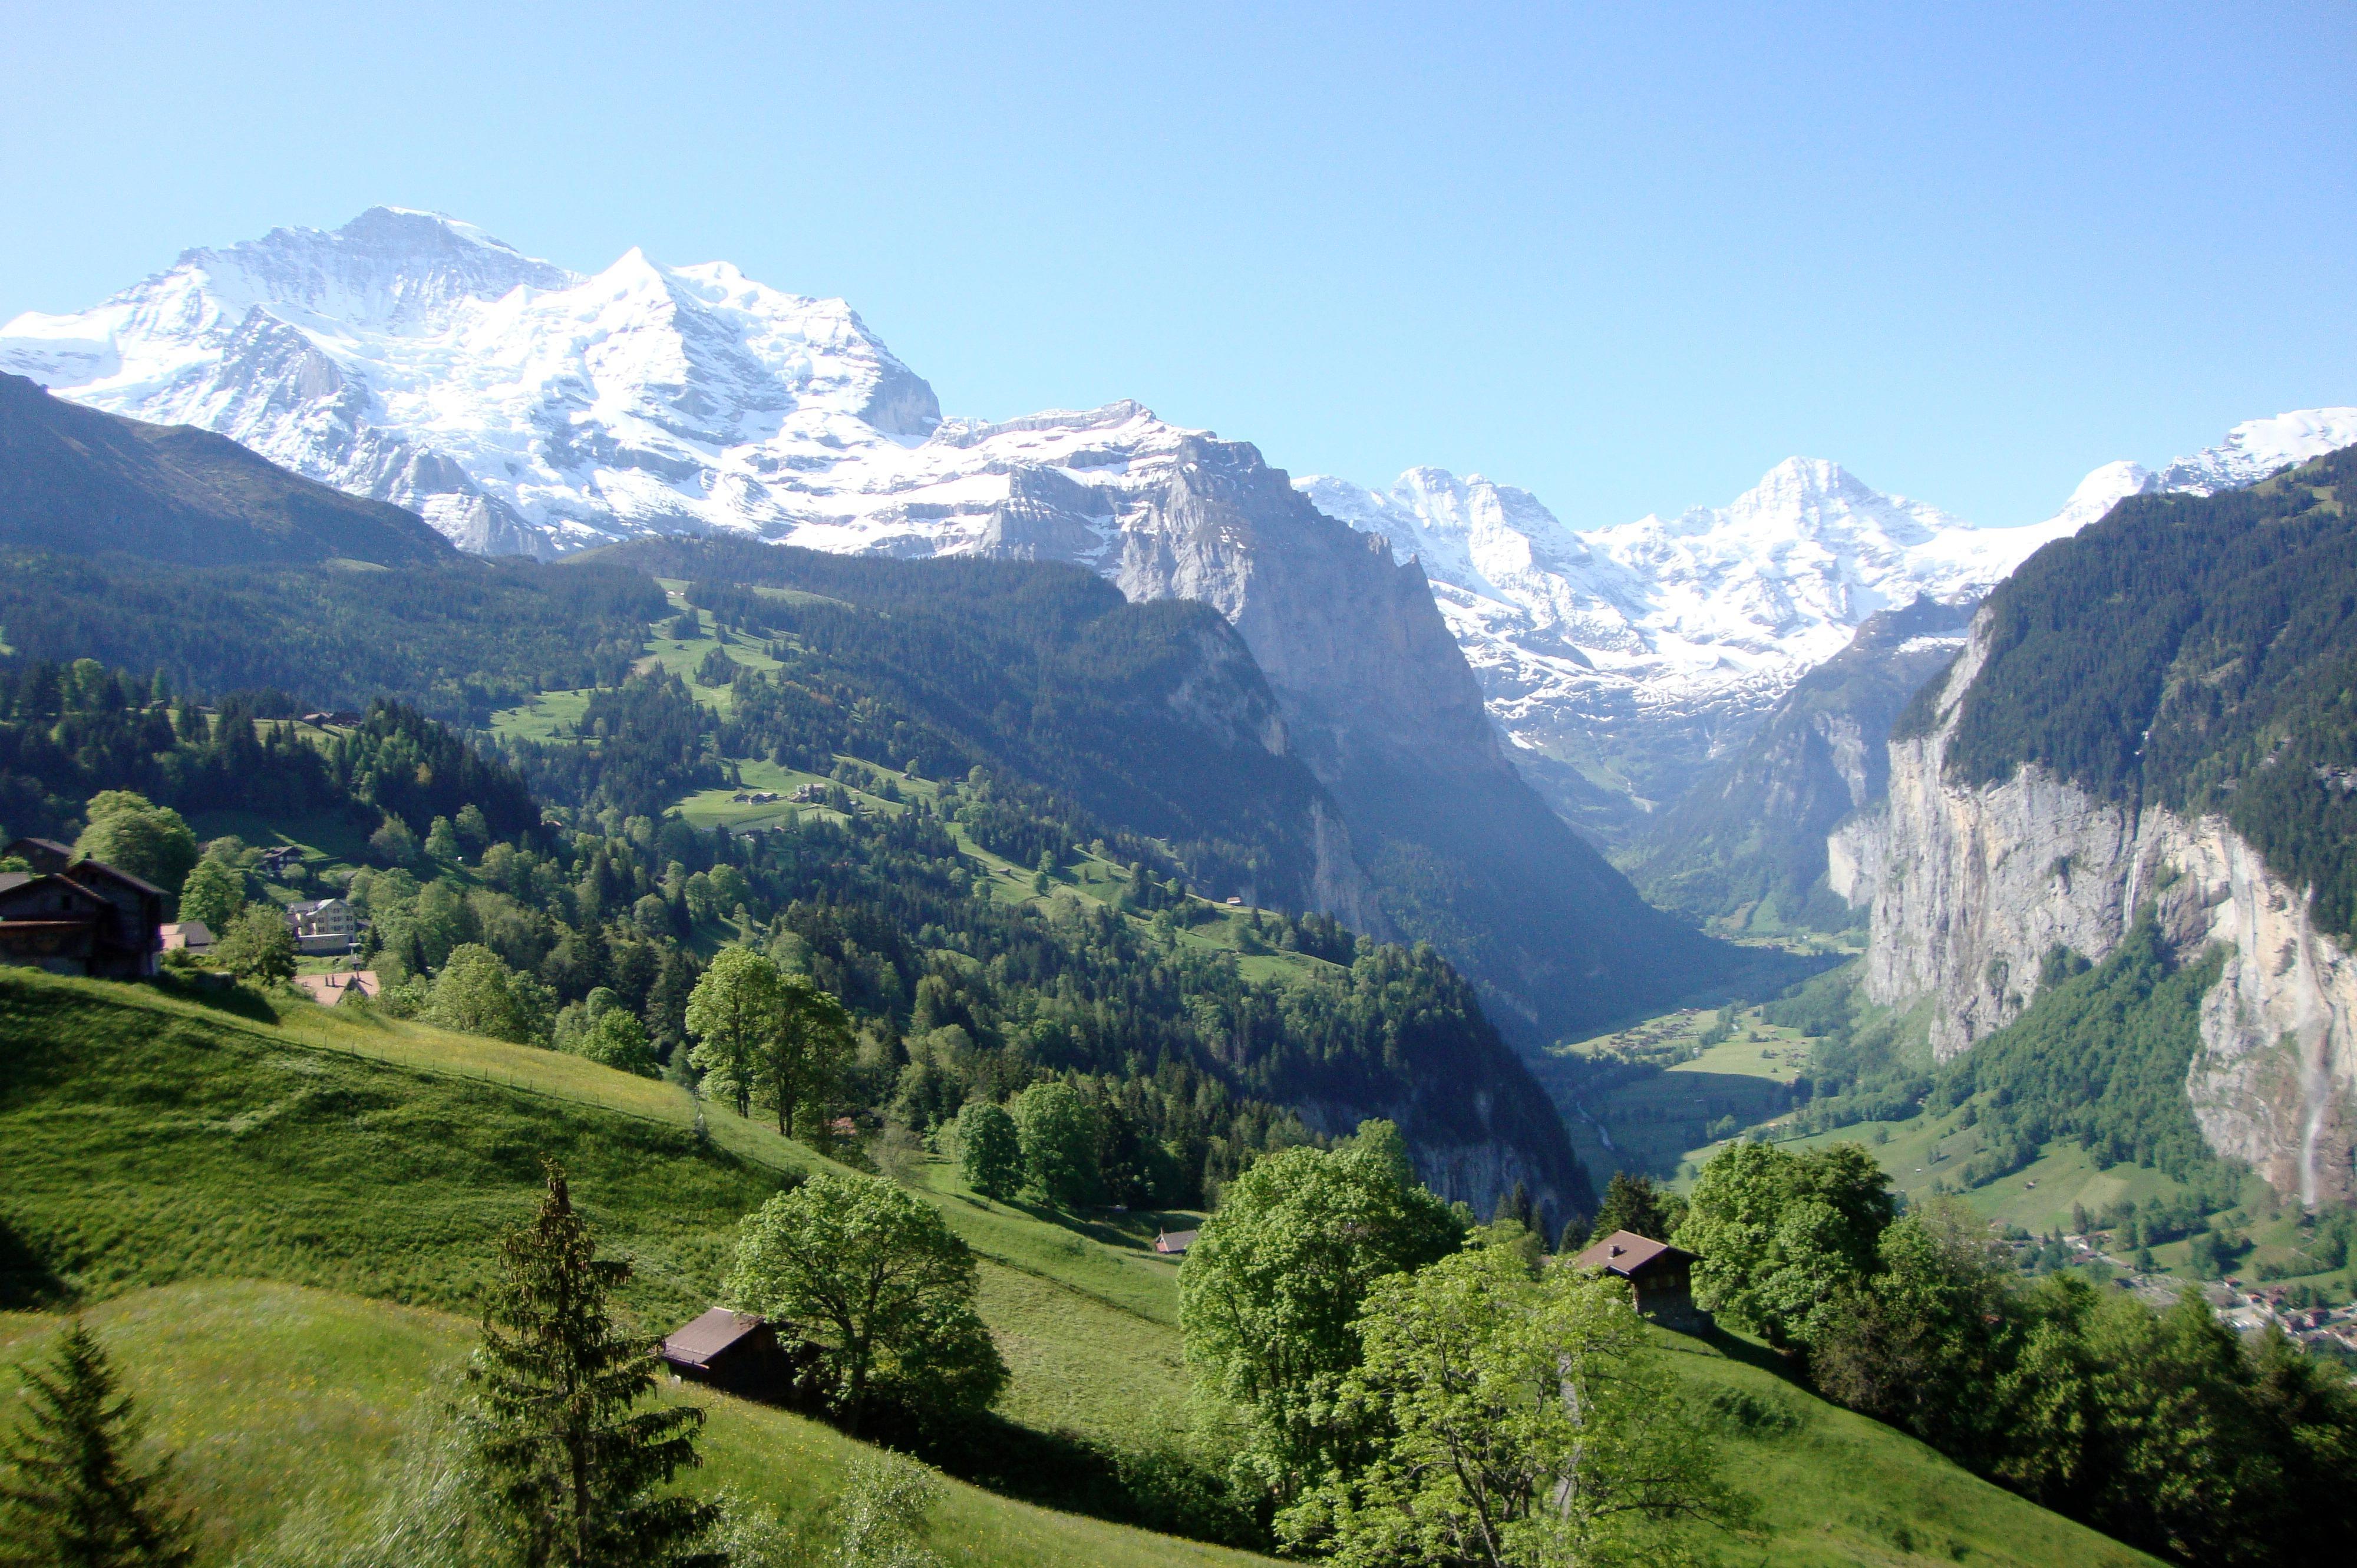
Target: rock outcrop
[1973, 888]
[1749, 843]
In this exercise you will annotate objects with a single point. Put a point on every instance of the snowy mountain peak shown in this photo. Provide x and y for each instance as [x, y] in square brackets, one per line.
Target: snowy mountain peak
[519, 405]
[1690, 627]
[2100, 491]
[2258, 447]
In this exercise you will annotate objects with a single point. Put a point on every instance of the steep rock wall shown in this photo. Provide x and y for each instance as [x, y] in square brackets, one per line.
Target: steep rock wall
[1972, 889]
[1439, 836]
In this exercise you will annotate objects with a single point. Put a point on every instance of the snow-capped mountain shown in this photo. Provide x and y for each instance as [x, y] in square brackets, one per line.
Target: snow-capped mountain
[1636, 653]
[521, 407]
[516, 405]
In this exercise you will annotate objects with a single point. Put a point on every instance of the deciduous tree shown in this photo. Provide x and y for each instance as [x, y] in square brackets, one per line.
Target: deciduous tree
[131, 833]
[990, 1149]
[1270, 1294]
[1059, 1136]
[476, 993]
[213, 893]
[804, 1048]
[731, 1012]
[1526, 1421]
[1782, 1237]
[258, 946]
[877, 1276]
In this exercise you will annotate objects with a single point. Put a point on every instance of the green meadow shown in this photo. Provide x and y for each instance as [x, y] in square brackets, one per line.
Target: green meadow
[279, 1217]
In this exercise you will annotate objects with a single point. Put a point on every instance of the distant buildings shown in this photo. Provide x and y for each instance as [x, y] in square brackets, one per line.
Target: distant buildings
[329, 989]
[187, 936]
[324, 926]
[1174, 1243]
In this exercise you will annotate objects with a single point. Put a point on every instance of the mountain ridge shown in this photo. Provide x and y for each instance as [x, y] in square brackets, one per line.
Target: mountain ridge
[180, 494]
[523, 407]
[1625, 661]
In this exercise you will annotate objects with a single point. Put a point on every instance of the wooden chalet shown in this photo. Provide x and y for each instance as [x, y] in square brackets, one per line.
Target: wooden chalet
[1174, 1243]
[77, 916]
[1660, 1276]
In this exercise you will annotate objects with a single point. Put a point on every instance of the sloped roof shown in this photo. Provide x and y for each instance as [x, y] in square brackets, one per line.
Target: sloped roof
[695, 1344]
[100, 870]
[1626, 1253]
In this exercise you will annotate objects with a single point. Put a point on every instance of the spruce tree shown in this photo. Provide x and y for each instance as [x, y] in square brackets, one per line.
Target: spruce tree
[567, 1455]
[69, 1494]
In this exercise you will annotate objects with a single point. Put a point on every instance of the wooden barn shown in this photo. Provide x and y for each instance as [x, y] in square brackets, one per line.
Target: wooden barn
[77, 916]
[736, 1351]
[1660, 1276]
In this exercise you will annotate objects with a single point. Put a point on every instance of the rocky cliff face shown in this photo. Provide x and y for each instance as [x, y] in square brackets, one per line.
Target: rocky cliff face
[1747, 845]
[1440, 838]
[1972, 887]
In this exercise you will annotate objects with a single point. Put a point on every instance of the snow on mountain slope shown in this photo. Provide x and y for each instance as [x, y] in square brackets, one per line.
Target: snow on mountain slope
[524, 408]
[1633, 655]
[519, 407]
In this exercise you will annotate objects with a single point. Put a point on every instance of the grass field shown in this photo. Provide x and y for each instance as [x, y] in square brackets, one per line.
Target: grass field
[165, 1155]
[1645, 1098]
[289, 1407]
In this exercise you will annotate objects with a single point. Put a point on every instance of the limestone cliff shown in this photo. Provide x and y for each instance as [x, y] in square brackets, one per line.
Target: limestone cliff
[1973, 885]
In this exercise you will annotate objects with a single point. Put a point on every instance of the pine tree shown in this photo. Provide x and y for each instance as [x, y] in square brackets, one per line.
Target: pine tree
[70, 1496]
[555, 1382]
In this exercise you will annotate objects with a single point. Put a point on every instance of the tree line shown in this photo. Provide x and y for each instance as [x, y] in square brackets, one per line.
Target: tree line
[2194, 653]
[2163, 1429]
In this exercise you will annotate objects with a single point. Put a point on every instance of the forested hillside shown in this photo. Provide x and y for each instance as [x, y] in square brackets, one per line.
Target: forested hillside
[459, 639]
[1189, 1063]
[2196, 653]
[1149, 718]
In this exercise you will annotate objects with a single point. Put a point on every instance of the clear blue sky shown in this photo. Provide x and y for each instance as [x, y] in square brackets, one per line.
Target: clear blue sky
[1628, 256]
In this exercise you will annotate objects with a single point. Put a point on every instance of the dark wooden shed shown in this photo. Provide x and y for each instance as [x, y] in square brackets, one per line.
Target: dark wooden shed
[86, 918]
[1660, 1276]
[738, 1352]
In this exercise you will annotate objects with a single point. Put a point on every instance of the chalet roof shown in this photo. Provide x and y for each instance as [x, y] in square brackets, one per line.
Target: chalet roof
[17, 881]
[695, 1344]
[1626, 1253]
[1173, 1241]
[43, 855]
[99, 870]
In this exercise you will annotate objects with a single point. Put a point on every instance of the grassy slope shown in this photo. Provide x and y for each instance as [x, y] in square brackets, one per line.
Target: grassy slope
[230, 1370]
[161, 1150]
[1836, 1488]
